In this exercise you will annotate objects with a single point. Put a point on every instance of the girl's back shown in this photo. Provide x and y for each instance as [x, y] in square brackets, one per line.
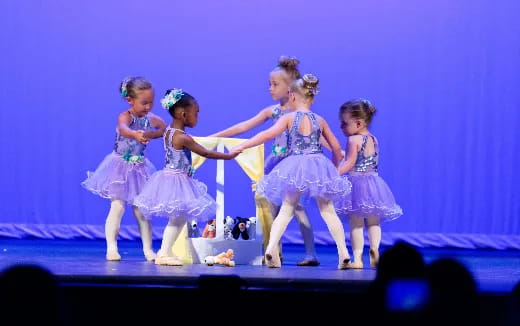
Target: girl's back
[304, 134]
[176, 159]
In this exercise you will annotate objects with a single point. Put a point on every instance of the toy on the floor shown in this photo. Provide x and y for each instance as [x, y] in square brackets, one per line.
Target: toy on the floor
[228, 227]
[224, 258]
[210, 230]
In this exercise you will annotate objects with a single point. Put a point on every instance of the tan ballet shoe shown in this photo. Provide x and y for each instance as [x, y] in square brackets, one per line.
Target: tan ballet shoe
[113, 255]
[168, 261]
[308, 262]
[150, 255]
[374, 258]
[269, 261]
[344, 263]
[355, 265]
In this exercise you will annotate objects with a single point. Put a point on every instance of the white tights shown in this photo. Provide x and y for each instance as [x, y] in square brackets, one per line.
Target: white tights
[356, 235]
[328, 214]
[113, 223]
[170, 235]
[305, 229]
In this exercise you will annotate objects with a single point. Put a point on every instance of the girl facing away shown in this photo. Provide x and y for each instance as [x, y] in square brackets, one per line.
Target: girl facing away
[305, 172]
[371, 200]
[173, 192]
[123, 172]
[280, 79]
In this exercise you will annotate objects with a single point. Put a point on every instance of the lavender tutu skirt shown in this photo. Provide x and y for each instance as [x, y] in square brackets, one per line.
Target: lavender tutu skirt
[370, 197]
[309, 175]
[172, 193]
[271, 161]
[116, 178]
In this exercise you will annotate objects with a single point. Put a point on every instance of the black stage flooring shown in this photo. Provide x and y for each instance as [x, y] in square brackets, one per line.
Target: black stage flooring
[133, 288]
[82, 262]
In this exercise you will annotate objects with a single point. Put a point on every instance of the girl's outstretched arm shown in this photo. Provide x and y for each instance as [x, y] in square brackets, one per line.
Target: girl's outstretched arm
[263, 136]
[188, 142]
[354, 144]
[157, 123]
[325, 143]
[123, 123]
[246, 125]
[333, 141]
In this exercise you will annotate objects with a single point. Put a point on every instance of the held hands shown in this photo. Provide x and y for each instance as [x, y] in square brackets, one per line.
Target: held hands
[232, 154]
[140, 137]
[236, 150]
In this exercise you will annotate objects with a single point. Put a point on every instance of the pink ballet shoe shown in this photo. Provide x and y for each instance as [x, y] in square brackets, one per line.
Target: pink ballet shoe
[113, 255]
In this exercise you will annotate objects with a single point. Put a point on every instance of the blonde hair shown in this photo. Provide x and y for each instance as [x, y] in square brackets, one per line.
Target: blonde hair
[306, 86]
[130, 85]
[289, 65]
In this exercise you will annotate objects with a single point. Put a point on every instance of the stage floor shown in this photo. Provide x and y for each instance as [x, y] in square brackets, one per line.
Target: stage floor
[81, 262]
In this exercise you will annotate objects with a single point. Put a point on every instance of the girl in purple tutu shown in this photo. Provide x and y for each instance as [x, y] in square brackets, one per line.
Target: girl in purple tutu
[305, 172]
[371, 201]
[172, 192]
[123, 173]
[280, 79]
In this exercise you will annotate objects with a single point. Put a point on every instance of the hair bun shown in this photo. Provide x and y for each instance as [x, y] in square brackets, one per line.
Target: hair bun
[288, 63]
[310, 83]
[368, 105]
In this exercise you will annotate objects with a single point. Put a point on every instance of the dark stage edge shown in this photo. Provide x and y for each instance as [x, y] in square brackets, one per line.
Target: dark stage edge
[133, 291]
[82, 263]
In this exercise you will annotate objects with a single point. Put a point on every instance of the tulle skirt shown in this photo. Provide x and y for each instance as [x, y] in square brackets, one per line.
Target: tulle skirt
[271, 161]
[370, 197]
[116, 178]
[307, 175]
[172, 193]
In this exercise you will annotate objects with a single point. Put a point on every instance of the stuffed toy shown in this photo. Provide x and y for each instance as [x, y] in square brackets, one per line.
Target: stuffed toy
[240, 228]
[228, 226]
[193, 229]
[210, 229]
[251, 227]
[224, 258]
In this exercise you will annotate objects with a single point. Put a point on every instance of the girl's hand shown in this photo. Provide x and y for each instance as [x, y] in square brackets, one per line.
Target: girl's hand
[237, 149]
[139, 136]
[233, 154]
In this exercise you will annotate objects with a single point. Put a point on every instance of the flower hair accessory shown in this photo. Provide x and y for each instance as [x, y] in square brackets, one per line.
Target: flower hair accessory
[124, 92]
[171, 98]
[367, 102]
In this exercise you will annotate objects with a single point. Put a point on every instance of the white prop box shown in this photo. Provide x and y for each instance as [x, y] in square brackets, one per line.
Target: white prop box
[246, 252]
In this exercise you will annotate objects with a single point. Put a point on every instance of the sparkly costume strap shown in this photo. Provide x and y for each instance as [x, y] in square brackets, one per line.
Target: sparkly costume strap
[314, 120]
[376, 145]
[363, 144]
[298, 118]
[169, 131]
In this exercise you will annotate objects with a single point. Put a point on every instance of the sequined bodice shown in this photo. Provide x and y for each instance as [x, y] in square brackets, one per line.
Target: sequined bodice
[366, 163]
[127, 147]
[279, 147]
[178, 159]
[304, 144]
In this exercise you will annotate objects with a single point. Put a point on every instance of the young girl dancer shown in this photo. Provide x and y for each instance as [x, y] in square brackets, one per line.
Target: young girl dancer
[305, 172]
[280, 79]
[371, 200]
[172, 192]
[122, 174]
